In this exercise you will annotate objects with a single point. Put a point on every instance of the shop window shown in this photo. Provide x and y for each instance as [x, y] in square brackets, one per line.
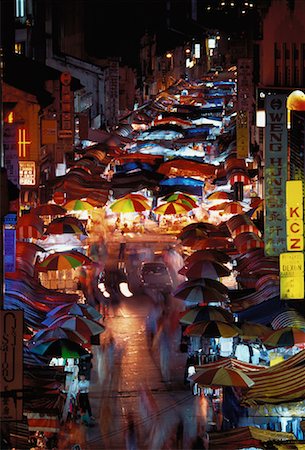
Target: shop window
[19, 48]
[20, 8]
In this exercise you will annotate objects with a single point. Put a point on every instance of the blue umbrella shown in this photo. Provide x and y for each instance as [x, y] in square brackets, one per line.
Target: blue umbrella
[181, 181]
[189, 185]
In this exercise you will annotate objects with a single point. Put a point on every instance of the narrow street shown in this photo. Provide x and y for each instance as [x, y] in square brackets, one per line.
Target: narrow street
[138, 366]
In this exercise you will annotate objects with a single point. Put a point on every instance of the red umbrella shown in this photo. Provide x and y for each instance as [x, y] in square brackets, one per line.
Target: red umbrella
[208, 254]
[49, 209]
[217, 243]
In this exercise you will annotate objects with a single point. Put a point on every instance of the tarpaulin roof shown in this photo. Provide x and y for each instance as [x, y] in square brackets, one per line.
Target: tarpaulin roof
[288, 318]
[245, 437]
[182, 166]
[246, 241]
[281, 383]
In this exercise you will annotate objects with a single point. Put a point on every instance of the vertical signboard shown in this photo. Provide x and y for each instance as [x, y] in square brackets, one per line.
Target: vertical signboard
[242, 134]
[11, 152]
[276, 162]
[294, 215]
[11, 365]
[292, 276]
[245, 85]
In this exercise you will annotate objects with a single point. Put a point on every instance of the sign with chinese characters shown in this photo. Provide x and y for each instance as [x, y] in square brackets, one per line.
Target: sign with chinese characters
[276, 162]
[292, 276]
[48, 131]
[27, 173]
[294, 215]
[245, 85]
[11, 152]
[242, 134]
[9, 250]
[11, 364]
[66, 106]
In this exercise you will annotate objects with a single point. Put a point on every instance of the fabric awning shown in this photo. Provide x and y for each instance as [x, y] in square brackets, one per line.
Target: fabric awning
[288, 318]
[281, 383]
[247, 241]
[43, 422]
[245, 437]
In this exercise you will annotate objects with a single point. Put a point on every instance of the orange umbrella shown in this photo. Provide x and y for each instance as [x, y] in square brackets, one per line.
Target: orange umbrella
[233, 208]
[220, 195]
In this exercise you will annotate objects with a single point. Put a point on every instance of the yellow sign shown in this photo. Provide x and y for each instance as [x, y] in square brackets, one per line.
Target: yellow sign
[294, 215]
[292, 276]
[27, 173]
[242, 134]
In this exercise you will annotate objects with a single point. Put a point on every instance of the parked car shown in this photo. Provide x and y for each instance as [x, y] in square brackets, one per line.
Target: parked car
[155, 275]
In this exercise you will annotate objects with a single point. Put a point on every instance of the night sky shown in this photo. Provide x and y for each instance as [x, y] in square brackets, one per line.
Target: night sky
[114, 27]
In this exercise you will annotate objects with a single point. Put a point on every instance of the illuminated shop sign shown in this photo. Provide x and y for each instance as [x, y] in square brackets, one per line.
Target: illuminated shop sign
[27, 173]
[294, 215]
[276, 163]
[292, 276]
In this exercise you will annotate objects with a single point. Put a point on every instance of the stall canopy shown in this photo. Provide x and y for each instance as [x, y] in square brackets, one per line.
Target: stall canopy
[281, 383]
[246, 437]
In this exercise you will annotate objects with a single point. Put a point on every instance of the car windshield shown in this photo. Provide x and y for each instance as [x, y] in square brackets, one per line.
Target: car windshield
[154, 268]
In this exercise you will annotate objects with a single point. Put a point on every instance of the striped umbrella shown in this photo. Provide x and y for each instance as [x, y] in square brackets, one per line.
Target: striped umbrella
[130, 204]
[85, 327]
[75, 309]
[222, 376]
[285, 337]
[63, 261]
[199, 294]
[60, 348]
[212, 329]
[62, 227]
[171, 208]
[202, 282]
[181, 197]
[220, 195]
[78, 205]
[208, 254]
[205, 269]
[206, 313]
[53, 333]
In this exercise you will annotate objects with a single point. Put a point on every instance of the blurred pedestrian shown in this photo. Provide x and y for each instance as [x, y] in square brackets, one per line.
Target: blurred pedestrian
[83, 395]
[179, 434]
[131, 437]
